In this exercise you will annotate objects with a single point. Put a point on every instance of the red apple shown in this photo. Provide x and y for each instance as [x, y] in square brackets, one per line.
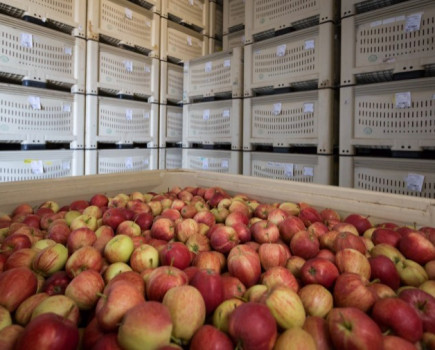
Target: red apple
[387, 236]
[186, 228]
[113, 217]
[59, 232]
[318, 228]
[318, 328]
[132, 277]
[417, 247]
[244, 263]
[272, 254]
[210, 285]
[209, 260]
[360, 222]
[294, 265]
[143, 257]
[279, 275]
[329, 214]
[319, 270]
[309, 215]
[16, 285]
[384, 269]
[205, 217]
[163, 228]
[175, 254]
[317, 300]
[350, 290]
[289, 227]
[210, 338]
[9, 336]
[392, 342]
[85, 258]
[99, 199]
[80, 237]
[243, 232]
[233, 287]
[265, 232]
[56, 283]
[79, 204]
[326, 254]
[24, 311]
[14, 242]
[277, 216]
[304, 244]
[349, 240]
[104, 234]
[223, 239]
[163, 278]
[188, 211]
[85, 288]
[198, 243]
[351, 260]
[20, 258]
[424, 305]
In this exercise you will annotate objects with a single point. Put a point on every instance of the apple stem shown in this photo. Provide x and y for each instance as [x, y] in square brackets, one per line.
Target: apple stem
[376, 280]
[101, 295]
[178, 341]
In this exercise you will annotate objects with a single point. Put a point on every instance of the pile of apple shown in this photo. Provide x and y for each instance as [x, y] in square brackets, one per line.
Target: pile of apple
[196, 268]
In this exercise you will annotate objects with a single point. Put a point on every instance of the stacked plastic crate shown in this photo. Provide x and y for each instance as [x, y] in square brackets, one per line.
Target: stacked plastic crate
[387, 101]
[216, 26]
[122, 86]
[42, 84]
[289, 124]
[233, 24]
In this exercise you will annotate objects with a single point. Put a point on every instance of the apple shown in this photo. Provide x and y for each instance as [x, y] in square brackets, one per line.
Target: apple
[327, 240]
[317, 300]
[185, 196]
[348, 240]
[304, 244]
[70, 215]
[5, 318]
[240, 206]
[85, 288]
[255, 293]
[411, 273]
[360, 222]
[265, 232]
[344, 227]
[132, 277]
[318, 228]
[114, 270]
[351, 328]
[172, 214]
[429, 267]
[104, 234]
[383, 268]
[205, 217]
[113, 217]
[318, 329]
[185, 229]
[309, 215]
[60, 305]
[243, 232]
[9, 336]
[244, 263]
[129, 228]
[210, 285]
[163, 278]
[50, 259]
[24, 311]
[320, 271]
[279, 275]
[222, 312]
[350, 290]
[188, 211]
[233, 287]
[143, 257]
[392, 342]
[32, 220]
[272, 254]
[83, 221]
[119, 249]
[294, 265]
[381, 290]
[389, 251]
[428, 287]
[99, 199]
[20, 258]
[163, 228]
[80, 237]
[329, 214]
[428, 341]
[294, 339]
[386, 235]
[56, 283]
[209, 260]
[14, 242]
[85, 258]
[79, 204]
[236, 217]
[175, 254]
[416, 247]
[277, 215]
[223, 239]
[209, 337]
[59, 232]
[351, 260]
[198, 243]
[424, 305]
[326, 254]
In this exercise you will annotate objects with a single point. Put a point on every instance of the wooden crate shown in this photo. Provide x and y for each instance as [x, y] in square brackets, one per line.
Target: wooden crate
[233, 15]
[193, 13]
[171, 83]
[226, 162]
[170, 158]
[171, 125]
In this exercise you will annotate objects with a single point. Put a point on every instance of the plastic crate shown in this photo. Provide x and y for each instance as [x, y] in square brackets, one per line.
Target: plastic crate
[309, 168]
[213, 123]
[154, 5]
[114, 71]
[234, 15]
[412, 177]
[180, 44]
[67, 15]
[216, 21]
[264, 18]
[304, 59]
[171, 82]
[294, 119]
[219, 74]
[353, 7]
[37, 116]
[194, 13]
[396, 40]
[35, 165]
[229, 162]
[118, 121]
[233, 40]
[106, 161]
[123, 23]
[397, 115]
[32, 54]
[215, 45]
[170, 158]
[171, 125]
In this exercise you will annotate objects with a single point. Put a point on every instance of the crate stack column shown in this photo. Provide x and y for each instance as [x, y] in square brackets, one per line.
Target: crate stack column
[42, 85]
[216, 26]
[290, 77]
[122, 86]
[233, 24]
[387, 124]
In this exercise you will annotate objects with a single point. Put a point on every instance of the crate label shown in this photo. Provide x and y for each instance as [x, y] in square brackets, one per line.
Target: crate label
[308, 171]
[68, 51]
[208, 67]
[402, 100]
[414, 182]
[206, 114]
[288, 170]
[309, 44]
[204, 163]
[226, 113]
[189, 40]
[146, 115]
[66, 107]
[37, 167]
[277, 108]
[129, 114]
[308, 107]
[129, 163]
[146, 162]
[66, 165]
[128, 66]
[147, 69]
[224, 163]
[27, 40]
[280, 50]
[376, 23]
[128, 13]
[413, 22]
[35, 102]
[227, 63]
[148, 23]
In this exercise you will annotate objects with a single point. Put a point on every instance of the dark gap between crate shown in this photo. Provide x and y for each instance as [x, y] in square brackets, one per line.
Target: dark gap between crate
[388, 153]
[112, 145]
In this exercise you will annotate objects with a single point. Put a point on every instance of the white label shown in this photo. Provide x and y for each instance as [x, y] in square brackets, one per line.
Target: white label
[375, 23]
[280, 50]
[66, 108]
[226, 113]
[128, 114]
[288, 170]
[208, 67]
[189, 41]
[146, 162]
[309, 44]
[308, 171]
[205, 163]
[402, 100]
[129, 163]
[227, 63]
[66, 165]
[413, 22]
[147, 69]
[400, 18]
[277, 108]
[68, 51]
[146, 115]
[27, 40]
[128, 13]
[148, 23]
[35, 102]
[414, 182]
[308, 107]
[206, 114]
[128, 66]
[433, 97]
[37, 167]
[224, 163]
[243, 39]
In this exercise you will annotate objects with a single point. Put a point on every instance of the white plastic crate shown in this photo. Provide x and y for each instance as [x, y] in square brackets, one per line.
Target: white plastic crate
[264, 18]
[233, 15]
[66, 15]
[229, 162]
[154, 5]
[171, 125]
[194, 13]
[180, 44]
[171, 82]
[379, 44]
[215, 45]
[35, 165]
[234, 39]
[398, 115]
[106, 161]
[353, 7]
[293, 119]
[37, 116]
[309, 168]
[219, 74]
[123, 23]
[32, 53]
[302, 59]
[115, 71]
[119, 121]
[170, 158]
[213, 123]
[412, 177]
[216, 21]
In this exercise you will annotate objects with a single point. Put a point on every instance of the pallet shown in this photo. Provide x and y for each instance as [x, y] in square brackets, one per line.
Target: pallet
[411, 177]
[227, 162]
[232, 40]
[117, 72]
[192, 13]
[233, 16]
[216, 21]
[171, 125]
[213, 123]
[171, 83]
[365, 58]
[354, 7]
[294, 119]
[395, 115]
[300, 60]
[170, 158]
